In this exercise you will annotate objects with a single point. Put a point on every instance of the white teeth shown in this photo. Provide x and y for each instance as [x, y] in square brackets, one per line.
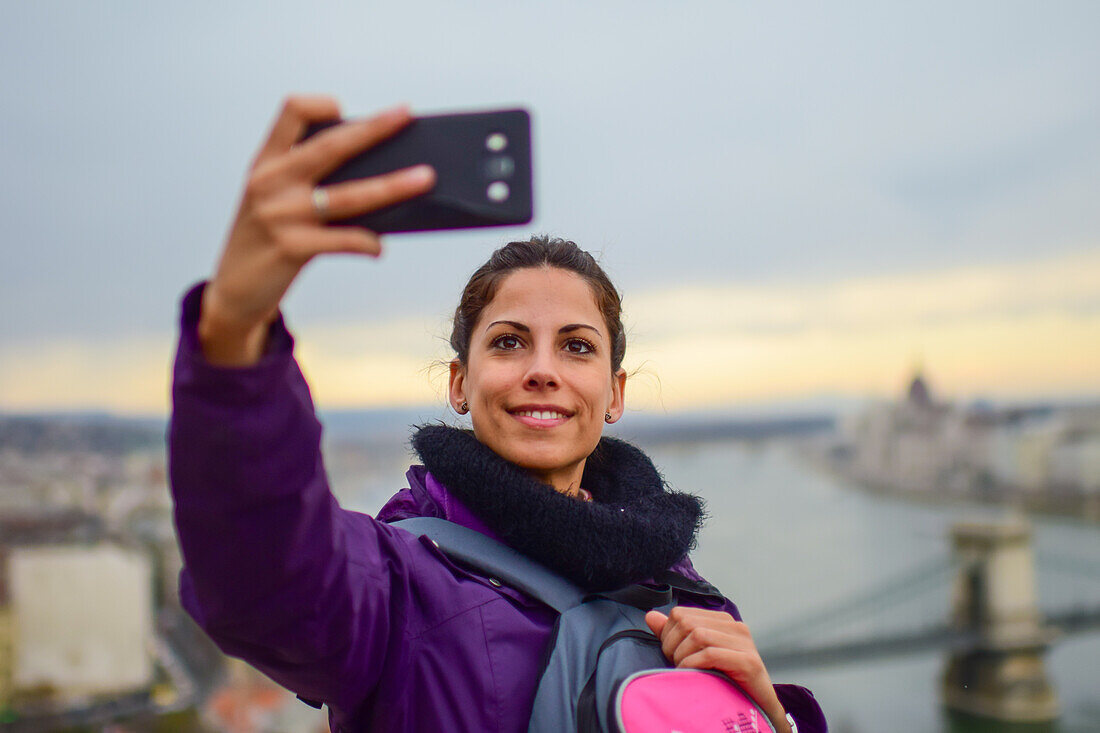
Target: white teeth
[541, 414]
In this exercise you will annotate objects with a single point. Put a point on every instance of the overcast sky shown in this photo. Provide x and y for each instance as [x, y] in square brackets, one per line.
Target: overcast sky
[732, 149]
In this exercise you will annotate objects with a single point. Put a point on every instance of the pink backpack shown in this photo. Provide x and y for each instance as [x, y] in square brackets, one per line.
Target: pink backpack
[685, 701]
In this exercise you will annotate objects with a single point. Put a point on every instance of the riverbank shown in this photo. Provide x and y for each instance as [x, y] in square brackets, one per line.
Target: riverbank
[1052, 502]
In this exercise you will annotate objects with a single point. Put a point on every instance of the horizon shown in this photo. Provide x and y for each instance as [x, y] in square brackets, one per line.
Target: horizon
[820, 405]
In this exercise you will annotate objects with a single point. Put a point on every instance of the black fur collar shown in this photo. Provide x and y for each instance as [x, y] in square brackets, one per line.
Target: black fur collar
[633, 529]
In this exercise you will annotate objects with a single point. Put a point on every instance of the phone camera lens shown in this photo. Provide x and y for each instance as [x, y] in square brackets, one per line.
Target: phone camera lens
[500, 166]
[498, 191]
[496, 141]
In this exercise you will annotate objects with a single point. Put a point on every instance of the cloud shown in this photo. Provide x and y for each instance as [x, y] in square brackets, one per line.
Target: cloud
[128, 375]
[1002, 330]
[397, 362]
[874, 302]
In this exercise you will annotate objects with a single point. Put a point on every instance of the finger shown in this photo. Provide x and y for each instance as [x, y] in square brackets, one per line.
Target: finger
[701, 638]
[324, 152]
[734, 663]
[681, 620]
[302, 243]
[672, 635]
[369, 194]
[297, 112]
[685, 620]
[656, 621]
[744, 667]
[691, 617]
[350, 240]
[344, 200]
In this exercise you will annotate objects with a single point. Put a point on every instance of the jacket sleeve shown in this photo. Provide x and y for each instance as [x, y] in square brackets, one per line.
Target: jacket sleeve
[274, 571]
[801, 705]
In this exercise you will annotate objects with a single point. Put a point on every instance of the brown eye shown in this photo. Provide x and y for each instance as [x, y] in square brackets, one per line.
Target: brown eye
[506, 342]
[579, 346]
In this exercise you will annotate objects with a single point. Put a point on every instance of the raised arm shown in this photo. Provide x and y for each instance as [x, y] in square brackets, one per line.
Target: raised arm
[273, 569]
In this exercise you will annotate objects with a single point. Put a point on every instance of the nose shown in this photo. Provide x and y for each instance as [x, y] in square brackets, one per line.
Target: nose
[541, 371]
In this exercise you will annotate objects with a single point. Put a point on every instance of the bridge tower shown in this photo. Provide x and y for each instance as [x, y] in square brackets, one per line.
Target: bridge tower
[1000, 673]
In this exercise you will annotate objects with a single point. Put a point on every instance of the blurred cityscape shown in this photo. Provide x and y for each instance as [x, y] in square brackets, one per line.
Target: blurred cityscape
[1040, 457]
[92, 636]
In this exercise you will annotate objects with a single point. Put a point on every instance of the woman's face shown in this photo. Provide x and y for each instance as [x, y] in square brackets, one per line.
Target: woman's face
[538, 377]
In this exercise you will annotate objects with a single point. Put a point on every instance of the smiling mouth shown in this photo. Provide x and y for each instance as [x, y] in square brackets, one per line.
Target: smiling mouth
[540, 418]
[541, 414]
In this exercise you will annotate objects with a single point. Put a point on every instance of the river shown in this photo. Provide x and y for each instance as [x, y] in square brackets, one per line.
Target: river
[786, 541]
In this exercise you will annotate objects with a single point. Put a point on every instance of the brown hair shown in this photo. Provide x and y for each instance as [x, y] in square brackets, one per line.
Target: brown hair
[538, 251]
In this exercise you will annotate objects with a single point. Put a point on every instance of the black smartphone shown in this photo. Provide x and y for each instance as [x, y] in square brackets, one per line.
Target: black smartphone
[483, 171]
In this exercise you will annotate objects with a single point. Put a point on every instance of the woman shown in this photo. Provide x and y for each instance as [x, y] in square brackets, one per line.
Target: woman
[345, 609]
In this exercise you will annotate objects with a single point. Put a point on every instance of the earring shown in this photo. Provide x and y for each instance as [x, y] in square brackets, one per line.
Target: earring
[607, 417]
[463, 408]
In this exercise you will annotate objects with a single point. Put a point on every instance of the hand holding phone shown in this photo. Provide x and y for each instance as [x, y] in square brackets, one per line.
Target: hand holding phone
[279, 225]
[311, 168]
[483, 171]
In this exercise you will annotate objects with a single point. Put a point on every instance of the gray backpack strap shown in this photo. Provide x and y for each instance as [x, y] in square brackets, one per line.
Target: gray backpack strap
[470, 547]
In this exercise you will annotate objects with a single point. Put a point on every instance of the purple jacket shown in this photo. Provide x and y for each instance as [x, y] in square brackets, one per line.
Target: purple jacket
[333, 604]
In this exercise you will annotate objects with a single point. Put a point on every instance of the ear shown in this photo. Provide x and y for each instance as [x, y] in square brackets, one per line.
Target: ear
[618, 395]
[456, 387]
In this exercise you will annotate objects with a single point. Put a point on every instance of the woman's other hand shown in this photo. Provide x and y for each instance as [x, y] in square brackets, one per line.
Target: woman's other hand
[278, 227]
[697, 638]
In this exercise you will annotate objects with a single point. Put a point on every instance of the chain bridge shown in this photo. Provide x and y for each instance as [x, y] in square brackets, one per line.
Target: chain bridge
[978, 603]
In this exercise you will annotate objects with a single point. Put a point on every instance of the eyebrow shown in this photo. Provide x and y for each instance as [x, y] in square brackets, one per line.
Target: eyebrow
[525, 329]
